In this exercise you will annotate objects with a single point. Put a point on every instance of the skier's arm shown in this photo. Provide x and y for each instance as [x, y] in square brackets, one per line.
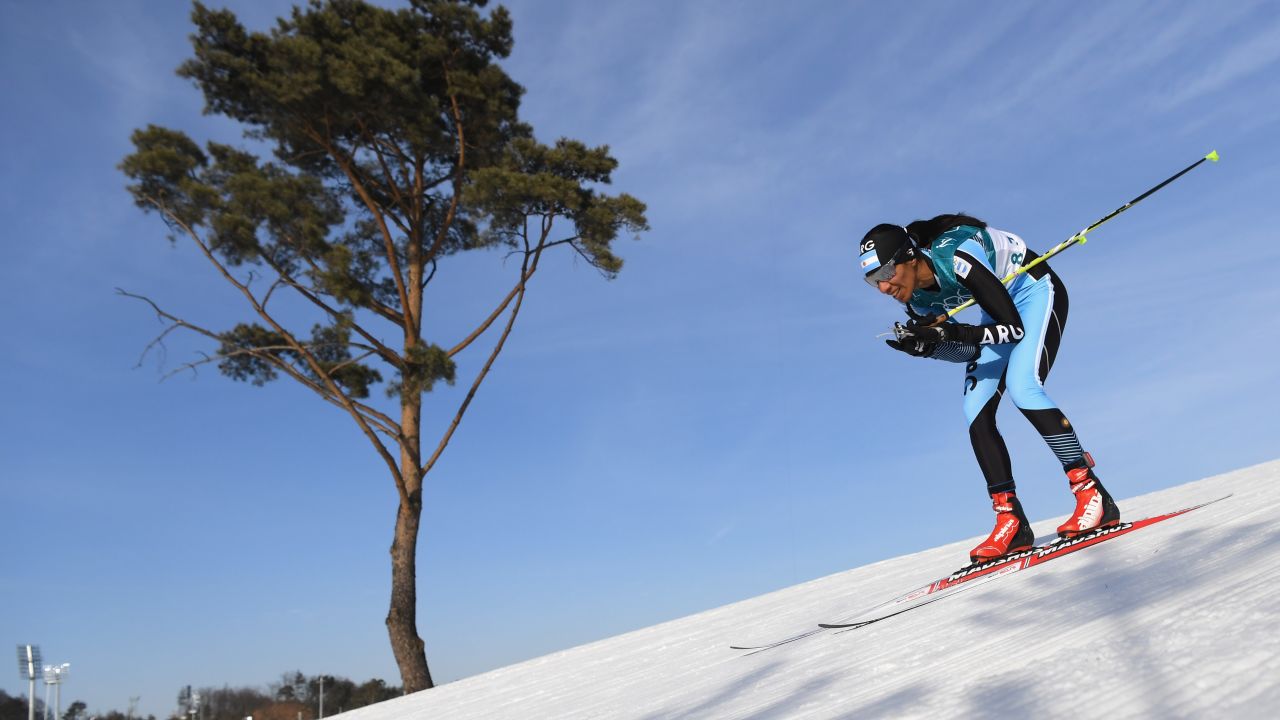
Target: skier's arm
[991, 295]
[965, 341]
[949, 350]
[955, 351]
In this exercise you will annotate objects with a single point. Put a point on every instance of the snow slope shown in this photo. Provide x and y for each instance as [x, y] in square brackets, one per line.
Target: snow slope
[1181, 619]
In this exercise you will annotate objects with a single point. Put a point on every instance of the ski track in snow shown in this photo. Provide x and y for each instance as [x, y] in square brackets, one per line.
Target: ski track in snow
[1181, 619]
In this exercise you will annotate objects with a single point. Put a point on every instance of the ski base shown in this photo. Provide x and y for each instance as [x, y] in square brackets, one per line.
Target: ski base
[1015, 562]
[986, 570]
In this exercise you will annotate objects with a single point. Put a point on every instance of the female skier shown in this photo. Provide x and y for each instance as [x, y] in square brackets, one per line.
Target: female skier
[935, 265]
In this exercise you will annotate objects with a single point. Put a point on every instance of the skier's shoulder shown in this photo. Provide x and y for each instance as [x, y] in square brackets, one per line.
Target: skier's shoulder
[964, 238]
[955, 237]
[956, 250]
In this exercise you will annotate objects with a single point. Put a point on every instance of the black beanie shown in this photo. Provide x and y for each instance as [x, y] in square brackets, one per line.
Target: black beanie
[881, 243]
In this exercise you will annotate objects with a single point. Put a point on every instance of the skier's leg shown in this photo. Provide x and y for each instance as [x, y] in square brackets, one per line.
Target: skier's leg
[983, 388]
[1043, 307]
[984, 385]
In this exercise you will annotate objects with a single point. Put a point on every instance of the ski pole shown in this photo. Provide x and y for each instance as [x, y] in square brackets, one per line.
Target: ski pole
[1081, 238]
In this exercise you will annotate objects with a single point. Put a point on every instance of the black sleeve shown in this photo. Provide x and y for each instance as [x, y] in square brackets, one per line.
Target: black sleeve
[991, 294]
[956, 352]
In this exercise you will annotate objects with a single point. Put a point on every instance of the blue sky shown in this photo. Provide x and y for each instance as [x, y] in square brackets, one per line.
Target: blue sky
[718, 422]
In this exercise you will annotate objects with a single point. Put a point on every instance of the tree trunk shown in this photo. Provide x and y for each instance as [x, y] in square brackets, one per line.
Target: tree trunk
[402, 619]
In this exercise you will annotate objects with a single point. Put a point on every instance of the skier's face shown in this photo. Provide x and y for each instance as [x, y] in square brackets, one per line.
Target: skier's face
[903, 282]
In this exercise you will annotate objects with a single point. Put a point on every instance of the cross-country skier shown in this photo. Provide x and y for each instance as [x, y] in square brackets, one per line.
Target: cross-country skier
[933, 266]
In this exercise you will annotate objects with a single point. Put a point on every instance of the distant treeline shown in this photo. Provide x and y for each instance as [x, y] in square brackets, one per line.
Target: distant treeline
[294, 695]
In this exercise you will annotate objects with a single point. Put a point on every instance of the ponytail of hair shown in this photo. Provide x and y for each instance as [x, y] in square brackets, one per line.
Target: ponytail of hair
[925, 231]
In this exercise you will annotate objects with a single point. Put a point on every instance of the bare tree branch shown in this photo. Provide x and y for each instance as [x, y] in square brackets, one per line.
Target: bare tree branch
[426, 280]
[374, 306]
[516, 290]
[384, 423]
[384, 352]
[447, 224]
[389, 246]
[527, 269]
[346, 402]
[484, 326]
[377, 147]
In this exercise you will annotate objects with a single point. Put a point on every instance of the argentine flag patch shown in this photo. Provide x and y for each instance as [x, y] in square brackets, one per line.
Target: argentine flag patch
[962, 267]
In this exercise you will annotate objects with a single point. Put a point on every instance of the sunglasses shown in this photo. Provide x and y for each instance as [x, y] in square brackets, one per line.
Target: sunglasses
[889, 268]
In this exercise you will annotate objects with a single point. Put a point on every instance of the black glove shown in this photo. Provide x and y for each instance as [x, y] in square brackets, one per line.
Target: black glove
[923, 318]
[908, 343]
[912, 347]
[923, 331]
[920, 331]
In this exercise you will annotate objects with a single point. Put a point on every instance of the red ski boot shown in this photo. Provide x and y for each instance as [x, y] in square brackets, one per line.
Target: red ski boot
[1011, 534]
[1094, 507]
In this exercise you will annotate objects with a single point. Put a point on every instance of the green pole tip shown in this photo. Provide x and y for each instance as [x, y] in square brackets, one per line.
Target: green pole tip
[1213, 155]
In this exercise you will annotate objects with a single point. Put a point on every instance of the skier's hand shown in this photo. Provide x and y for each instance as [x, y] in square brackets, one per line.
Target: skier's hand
[920, 331]
[946, 332]
[914, 348]
[923, 320]
[931, 335]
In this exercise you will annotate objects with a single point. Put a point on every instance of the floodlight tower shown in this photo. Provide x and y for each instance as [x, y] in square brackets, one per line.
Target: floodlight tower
[55, 675]
[29, 668]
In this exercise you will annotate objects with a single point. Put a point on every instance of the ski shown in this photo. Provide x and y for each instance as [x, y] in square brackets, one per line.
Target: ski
[1006, 565]
[973, 575]
[776, 643]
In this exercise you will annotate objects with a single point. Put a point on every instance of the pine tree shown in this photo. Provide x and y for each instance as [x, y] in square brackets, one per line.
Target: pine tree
[381, 142]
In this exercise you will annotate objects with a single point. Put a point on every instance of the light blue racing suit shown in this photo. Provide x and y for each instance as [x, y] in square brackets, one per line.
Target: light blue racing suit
[1013, 346]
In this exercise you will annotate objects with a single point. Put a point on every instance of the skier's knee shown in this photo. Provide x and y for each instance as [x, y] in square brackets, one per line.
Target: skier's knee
[1029, 397]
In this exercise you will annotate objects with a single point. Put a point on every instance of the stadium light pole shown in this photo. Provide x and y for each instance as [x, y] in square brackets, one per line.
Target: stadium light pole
[45, 714]
[54, 675]
[29, 668]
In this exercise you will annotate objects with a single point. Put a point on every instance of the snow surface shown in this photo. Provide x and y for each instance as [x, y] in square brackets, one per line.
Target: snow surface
[1181, 619]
